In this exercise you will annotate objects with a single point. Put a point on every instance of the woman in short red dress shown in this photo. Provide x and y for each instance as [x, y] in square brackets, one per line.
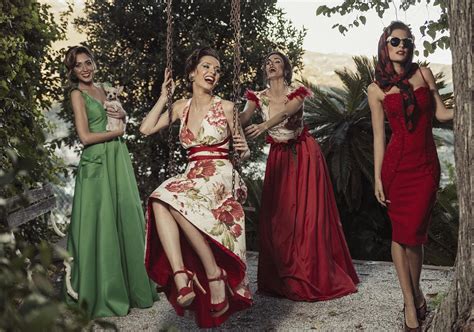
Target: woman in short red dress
[195, 245]
[303, 253]
[406, 172]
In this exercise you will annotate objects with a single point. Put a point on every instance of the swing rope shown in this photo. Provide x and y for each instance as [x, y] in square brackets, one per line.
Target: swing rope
[169, 66]
[235, 21]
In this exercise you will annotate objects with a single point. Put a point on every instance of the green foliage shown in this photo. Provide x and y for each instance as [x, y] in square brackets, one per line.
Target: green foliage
[340, 120]
[367, 230]
[252, 208]
[355, 8]
[28, 299]
[443, 232]
[129, 41]
[437, 299]
[26, 88]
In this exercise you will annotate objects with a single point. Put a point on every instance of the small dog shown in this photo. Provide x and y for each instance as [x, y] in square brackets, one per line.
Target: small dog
[112, 101]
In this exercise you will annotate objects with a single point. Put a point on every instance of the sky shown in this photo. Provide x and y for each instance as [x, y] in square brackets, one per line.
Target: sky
[362, 40]
[321, 38]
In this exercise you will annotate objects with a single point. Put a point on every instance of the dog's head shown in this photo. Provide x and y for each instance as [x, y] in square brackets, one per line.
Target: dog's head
[112, 92]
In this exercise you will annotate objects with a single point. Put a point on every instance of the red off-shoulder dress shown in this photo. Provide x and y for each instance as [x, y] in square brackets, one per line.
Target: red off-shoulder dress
[303, 253]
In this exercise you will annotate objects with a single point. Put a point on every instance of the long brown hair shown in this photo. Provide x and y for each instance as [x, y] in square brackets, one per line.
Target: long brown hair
[70, 60]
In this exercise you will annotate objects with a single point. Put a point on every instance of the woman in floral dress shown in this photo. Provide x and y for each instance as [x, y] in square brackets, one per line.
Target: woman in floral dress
[303, 253]
[196, 230]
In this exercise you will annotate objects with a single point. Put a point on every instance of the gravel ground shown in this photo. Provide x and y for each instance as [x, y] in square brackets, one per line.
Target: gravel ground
[375, 307]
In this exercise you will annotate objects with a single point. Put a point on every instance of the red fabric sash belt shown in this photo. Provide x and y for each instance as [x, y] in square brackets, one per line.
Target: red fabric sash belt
[209, 148]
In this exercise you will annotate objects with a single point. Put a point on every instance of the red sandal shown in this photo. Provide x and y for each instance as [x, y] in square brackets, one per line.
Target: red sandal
[218, 309]
[186, 294]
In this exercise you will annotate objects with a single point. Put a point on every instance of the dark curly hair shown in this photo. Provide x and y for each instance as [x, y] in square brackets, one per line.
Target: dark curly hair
[70, 60]
[287, 67]
[193, 60]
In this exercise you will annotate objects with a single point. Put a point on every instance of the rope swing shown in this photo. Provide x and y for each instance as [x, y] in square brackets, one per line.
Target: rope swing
[235, 21]
[169, 65]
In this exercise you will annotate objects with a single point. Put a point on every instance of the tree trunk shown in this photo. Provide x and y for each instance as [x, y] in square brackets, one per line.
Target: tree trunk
[456, 310]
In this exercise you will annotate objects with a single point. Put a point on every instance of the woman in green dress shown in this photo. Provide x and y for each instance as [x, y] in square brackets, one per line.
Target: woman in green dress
[106, 235]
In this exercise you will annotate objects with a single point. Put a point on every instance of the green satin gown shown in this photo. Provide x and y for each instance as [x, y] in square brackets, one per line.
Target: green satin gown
[106, 236]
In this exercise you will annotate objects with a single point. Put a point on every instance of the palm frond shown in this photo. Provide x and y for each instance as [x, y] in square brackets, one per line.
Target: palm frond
[365, 67]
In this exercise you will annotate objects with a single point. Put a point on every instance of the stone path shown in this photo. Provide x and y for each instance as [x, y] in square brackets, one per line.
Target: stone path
[375, 307]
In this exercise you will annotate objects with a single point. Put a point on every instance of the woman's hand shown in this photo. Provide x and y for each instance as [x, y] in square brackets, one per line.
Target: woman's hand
[241, 146]
[168, 81]
[116, 113]
[379, 194]
[254, 130]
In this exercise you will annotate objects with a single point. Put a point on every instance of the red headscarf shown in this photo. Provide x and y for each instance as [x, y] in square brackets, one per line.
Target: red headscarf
[386, 78]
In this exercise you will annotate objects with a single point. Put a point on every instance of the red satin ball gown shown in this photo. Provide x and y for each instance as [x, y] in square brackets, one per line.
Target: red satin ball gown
[410, 169]
[303, 253]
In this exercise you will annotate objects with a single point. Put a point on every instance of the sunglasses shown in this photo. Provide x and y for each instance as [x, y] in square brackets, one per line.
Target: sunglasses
[395, 41]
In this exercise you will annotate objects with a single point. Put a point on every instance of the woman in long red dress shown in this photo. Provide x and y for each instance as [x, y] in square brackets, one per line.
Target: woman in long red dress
[303, 253]
[195, 229]
[407, 172]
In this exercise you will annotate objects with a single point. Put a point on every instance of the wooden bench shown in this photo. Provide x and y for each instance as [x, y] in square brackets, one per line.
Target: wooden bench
[33, 204]
[38, 202]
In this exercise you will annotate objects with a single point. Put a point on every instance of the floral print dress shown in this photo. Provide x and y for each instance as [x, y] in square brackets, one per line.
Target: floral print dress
[203, 195]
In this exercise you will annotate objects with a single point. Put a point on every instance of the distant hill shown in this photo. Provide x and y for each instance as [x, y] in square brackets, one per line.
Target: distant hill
[319, 68]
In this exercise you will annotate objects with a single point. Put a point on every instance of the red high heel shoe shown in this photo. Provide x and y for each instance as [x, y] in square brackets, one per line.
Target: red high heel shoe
[186, 294]
[218, 309]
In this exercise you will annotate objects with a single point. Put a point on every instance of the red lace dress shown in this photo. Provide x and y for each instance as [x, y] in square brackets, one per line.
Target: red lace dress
[410, 169]
[203, 195]
[303, 253]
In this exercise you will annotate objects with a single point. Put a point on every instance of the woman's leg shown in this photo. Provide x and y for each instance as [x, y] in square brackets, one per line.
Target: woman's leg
[168, 233]
[402, 266]
[415, 260]
[202, 248]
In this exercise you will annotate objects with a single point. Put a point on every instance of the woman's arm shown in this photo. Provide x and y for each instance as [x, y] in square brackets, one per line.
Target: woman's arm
[375, 96]
[240, 143]
[248, 112]
[156, 119]
[288, 109]
[250, 107]
[442, 114]
[281, 112]
[82, 126]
